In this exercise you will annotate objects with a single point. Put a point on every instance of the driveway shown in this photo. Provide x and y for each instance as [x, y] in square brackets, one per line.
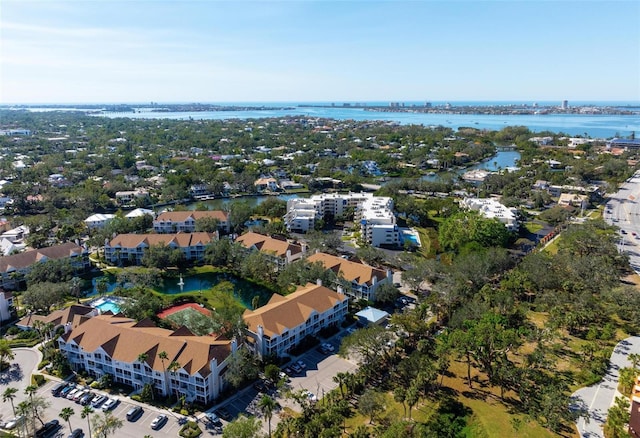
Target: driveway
[597, 399]
[18, 376]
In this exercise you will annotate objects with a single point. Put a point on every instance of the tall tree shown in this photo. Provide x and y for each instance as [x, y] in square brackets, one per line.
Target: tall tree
[86, 412]
[105, 424]
[242, 427]
[10, 394]
[267, 406]
[66, 414]
[163, 356]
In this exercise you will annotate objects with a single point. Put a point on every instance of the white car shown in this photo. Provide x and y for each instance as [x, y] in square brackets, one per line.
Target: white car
[327, 346]
[11, 424]
[110, 404]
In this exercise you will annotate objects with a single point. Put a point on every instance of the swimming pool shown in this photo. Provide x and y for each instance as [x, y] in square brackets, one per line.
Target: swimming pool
[107, 304]
[410, 235]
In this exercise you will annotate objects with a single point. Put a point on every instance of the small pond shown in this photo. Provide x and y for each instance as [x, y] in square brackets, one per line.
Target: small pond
[244, 291]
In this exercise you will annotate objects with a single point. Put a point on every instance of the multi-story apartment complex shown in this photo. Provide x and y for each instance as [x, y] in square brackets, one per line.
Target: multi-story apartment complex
[16, 266]
[130, 248]
[364, 279]
[280, 252]
[132, 352]
[374, 214]
[492, 209]
[278, 326]
[185, 221]
[6, 305]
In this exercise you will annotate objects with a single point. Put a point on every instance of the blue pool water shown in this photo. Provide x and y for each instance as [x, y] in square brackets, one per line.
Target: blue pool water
[107, 305]
[409, 236]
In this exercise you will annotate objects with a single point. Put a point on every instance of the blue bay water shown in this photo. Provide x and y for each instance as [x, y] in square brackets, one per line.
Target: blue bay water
[595, 126]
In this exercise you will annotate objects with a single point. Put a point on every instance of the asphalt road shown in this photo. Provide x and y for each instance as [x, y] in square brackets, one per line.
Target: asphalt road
[25, 361]
[597, 399]
[623, 210]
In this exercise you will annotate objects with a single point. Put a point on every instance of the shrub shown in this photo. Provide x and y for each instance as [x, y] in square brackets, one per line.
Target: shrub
[43, 364]
[95, 385]
[190, 430]
[13, 330]
[38, 379]
[136, 397]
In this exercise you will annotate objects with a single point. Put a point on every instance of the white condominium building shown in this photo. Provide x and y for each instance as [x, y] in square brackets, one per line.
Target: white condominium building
[492, 209]
[373, 213]
[132, 353]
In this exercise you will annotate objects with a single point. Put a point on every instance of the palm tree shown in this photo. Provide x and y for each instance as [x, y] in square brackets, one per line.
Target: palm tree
[106, 424]
[164, 356]
[173, 367]
[10, 394]
[5, 352]
[24, 410]
[267, 405]
[86, 412]
[30, 390]
[66, 414]
[340, 380]
[101, 285]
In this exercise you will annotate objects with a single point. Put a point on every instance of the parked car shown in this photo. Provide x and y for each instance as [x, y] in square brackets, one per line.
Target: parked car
[213, 418]
[288, 371]
[79, 395]
[87, 398]
[223, 413]
[47, 429]
[302, 365]
[327, 346]
[158, 422]
[67, 390]
[56, 390]
[11, 424]
[134, 413]
[110, 404]
[96, 402]
[72, 393]
[260, 386]
[77, 433]
[296, 368]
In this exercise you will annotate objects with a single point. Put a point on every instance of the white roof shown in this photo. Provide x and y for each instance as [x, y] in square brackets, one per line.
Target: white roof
[140, 212]
[99, 217]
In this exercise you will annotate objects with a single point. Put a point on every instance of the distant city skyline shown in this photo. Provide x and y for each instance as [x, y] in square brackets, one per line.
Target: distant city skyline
[319, 51]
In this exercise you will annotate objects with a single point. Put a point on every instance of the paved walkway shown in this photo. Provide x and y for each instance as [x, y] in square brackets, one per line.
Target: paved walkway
[597, 399]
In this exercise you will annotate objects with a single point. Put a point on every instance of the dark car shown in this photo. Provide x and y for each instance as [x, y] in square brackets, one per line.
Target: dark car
[48, 429]
[134, 413]
[77, 433]
[87, 398]
[223, 413]
[56, 390]
[213, 418]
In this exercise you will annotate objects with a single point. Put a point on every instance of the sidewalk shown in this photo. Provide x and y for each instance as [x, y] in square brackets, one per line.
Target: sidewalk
[597, 399]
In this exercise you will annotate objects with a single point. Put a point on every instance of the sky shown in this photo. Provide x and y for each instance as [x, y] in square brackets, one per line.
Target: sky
[135, 51]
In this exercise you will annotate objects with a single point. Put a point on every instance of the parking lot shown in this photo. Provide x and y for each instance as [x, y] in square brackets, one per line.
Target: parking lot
[316, 377]
[133, 429]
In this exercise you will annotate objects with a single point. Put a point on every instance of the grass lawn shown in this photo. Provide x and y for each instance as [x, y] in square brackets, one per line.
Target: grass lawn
[491, 417]
[532, 227]
[552, 248]
[420, 413]
[429, 242]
